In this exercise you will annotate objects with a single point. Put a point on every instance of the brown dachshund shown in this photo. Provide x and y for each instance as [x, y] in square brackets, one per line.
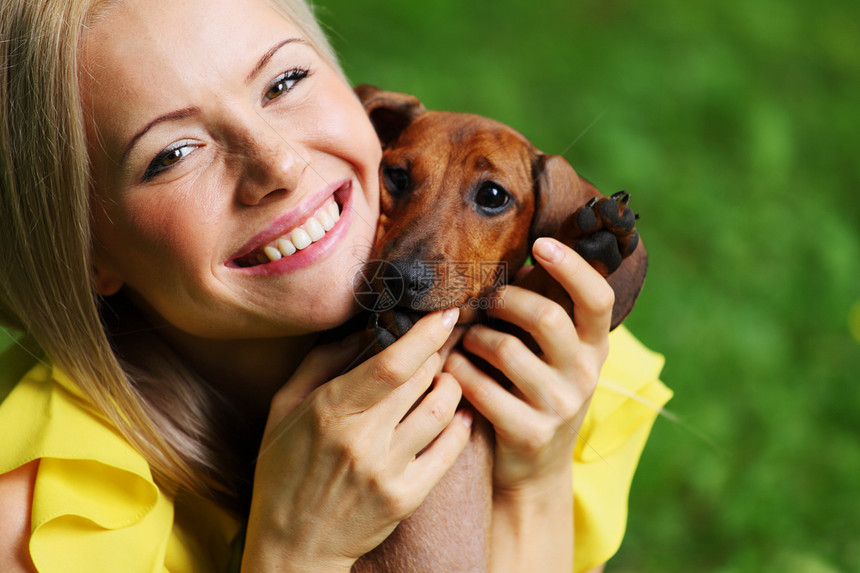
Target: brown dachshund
[463, 198]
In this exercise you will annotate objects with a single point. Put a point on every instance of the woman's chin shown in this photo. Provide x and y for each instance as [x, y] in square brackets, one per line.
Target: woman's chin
[326, 319]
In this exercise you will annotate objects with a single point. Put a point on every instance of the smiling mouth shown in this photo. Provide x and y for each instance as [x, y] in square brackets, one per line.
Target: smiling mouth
[301, 237]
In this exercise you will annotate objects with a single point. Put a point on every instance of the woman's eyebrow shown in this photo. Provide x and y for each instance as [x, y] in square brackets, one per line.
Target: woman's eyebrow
[189, 111]
[173, 115]
[268, 56]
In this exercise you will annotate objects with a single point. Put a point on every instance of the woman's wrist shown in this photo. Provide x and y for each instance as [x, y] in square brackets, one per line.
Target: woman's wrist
[284, 561]
[524, 506]
[268, 553]
[533, 526]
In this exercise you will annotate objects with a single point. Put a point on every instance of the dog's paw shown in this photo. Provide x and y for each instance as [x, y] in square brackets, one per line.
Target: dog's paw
[603, 231]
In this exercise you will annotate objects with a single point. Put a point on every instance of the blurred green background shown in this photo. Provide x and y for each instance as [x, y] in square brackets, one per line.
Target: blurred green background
[736, 126]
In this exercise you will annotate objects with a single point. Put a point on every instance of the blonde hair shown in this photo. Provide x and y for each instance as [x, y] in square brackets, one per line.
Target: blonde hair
[46, 283]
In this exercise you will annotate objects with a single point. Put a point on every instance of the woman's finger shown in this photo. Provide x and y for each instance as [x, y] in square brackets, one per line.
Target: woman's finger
[403, 398]
[430, 416]
[591, 294]
[502, 409]
[320, 365]
[424, 472]
[512, 358]
[378, 376]
[546, 320]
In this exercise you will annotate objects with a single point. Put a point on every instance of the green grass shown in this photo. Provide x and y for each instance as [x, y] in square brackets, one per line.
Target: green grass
[735, 125]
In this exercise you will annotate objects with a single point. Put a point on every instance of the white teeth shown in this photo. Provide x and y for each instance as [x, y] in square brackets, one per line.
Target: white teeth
[325, 219]
[314, 229]
[273, 253]
[303, 236]
[286, 246]
[300, 238]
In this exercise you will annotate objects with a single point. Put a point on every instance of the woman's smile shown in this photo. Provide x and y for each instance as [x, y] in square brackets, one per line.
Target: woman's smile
[286, 246]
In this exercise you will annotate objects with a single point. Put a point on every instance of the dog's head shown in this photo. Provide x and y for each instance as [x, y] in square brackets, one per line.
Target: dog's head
[462, 200]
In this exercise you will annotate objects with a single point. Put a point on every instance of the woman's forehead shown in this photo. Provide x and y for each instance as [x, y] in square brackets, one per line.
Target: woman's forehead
[131, 35]
[138, 63]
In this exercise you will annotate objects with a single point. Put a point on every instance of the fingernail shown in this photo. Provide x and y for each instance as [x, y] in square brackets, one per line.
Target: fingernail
[450, 316]
[465, 417]
[547, 249]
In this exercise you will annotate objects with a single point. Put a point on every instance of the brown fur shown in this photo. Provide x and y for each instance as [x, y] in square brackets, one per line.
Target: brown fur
[447, 157]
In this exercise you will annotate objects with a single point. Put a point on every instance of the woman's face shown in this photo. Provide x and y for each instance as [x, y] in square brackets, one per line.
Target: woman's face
[216, 133]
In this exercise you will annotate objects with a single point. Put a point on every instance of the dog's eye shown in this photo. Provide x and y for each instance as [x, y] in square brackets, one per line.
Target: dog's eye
[397, 180]
[491, 198]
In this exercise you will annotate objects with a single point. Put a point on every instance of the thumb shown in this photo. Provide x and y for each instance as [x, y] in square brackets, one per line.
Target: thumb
[321, 365]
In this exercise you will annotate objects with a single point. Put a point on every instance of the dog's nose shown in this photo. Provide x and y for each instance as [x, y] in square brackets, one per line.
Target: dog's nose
[417, 279]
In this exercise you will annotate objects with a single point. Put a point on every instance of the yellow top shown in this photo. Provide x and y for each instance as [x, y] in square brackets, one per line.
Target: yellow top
[96, 507]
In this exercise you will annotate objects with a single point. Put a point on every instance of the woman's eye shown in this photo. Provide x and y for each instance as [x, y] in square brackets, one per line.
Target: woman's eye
[285, 82]
[167, 158]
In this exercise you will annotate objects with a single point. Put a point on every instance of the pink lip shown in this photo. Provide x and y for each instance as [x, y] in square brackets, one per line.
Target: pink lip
[342, 190]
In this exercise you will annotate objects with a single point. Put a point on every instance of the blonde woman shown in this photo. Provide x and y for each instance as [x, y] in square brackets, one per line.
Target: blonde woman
[164, 392]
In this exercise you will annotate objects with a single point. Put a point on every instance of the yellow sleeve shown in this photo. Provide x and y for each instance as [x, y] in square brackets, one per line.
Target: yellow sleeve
[96, 507]
[627, 400]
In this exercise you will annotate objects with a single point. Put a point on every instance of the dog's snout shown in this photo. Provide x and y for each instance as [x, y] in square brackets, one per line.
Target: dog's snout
[417, 279]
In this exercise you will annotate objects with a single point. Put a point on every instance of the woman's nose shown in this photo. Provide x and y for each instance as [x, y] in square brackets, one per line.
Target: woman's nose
[273, 167]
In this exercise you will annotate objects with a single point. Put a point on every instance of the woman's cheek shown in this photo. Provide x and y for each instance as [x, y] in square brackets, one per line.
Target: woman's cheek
[353, 134]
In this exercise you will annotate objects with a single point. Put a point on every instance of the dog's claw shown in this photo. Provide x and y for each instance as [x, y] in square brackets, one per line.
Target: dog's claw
[602, 231]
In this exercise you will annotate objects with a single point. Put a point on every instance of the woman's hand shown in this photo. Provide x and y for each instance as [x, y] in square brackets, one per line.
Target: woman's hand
[537, 424]
[339, 465]
[537, 421]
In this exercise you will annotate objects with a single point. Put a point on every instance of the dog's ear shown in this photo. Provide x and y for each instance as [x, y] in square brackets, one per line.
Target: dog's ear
[559, 191]
[389, 112]
[627, 283]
